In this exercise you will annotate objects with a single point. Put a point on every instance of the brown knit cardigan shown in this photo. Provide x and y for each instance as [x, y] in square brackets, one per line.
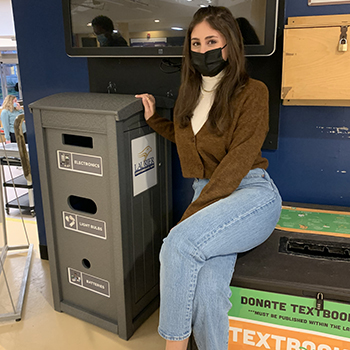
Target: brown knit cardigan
[225, 159]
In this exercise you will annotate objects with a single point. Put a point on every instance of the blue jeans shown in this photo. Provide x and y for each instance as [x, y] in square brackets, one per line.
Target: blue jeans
[199, 254]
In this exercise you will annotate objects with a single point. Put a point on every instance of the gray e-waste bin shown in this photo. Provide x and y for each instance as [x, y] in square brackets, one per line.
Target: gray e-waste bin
[106, 190]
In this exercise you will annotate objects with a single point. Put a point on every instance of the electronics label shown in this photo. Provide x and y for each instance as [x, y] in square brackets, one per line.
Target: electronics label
[80, 163]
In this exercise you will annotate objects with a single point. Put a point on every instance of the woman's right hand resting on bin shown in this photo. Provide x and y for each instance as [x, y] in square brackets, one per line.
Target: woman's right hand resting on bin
[149, 103]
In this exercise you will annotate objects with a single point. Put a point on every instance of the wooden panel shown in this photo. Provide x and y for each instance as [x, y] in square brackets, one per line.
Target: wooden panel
[333, 103]
[318, 21]
[313, 68]
[327, 2]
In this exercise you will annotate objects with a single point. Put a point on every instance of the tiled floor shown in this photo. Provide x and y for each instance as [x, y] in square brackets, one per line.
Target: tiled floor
[42, 328]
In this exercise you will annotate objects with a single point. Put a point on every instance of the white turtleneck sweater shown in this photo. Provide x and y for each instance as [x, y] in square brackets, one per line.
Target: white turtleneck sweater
[206, 99]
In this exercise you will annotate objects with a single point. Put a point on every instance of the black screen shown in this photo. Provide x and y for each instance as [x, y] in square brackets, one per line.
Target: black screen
[146, 28]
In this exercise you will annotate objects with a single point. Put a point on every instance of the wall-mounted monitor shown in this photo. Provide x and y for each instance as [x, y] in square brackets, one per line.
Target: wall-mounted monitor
[156, 28]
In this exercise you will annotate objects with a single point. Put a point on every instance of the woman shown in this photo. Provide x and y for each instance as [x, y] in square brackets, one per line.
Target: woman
[220, 123]
[10, 110]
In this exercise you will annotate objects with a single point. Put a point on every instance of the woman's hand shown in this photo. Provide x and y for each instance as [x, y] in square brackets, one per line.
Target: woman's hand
[149, 103]
[7, 142]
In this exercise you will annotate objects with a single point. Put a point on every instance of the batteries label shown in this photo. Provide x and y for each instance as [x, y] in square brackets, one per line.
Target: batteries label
[80, 163]
[89, 282]
[83, 224]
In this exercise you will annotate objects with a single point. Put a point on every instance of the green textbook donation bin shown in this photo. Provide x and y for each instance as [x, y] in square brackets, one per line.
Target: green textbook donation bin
[293, 292]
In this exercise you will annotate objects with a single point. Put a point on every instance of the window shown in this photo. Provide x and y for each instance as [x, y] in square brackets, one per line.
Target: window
[9, 76]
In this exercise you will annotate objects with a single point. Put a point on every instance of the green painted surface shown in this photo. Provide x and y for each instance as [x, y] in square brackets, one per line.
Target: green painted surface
[328, 223]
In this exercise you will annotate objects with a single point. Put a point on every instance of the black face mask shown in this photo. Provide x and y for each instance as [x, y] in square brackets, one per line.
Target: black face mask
[209, 63]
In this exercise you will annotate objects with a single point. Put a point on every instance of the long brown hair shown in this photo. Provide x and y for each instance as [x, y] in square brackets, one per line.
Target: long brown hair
[231, 84]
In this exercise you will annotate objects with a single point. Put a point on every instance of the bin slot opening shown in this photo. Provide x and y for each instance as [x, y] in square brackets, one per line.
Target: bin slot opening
[77, 140]
[315, 249]
[85, 205]
[86, 263]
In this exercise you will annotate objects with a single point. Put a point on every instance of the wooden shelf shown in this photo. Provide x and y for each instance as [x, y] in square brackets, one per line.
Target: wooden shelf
[314, 71]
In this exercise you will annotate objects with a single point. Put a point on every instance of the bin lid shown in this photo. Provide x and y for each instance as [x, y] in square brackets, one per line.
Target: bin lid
[120, 105]
[301, 261]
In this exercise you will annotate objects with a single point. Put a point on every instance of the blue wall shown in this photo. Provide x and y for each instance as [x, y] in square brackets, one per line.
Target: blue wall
[45, 69]
[311, 164]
